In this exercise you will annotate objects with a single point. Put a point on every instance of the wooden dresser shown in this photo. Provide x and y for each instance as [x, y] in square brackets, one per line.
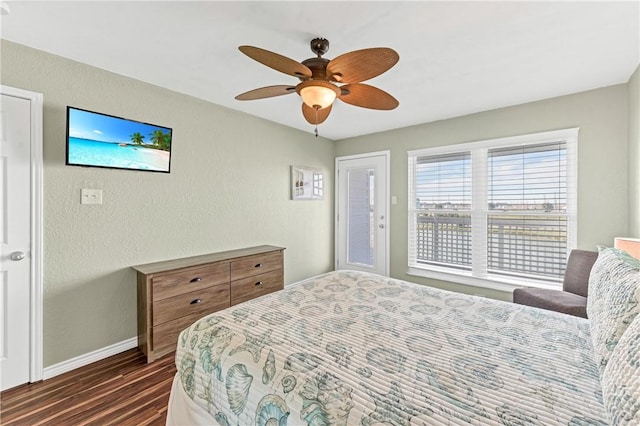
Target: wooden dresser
[173, 294]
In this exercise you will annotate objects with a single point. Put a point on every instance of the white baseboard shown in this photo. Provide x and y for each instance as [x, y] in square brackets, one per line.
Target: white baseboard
[86, 359]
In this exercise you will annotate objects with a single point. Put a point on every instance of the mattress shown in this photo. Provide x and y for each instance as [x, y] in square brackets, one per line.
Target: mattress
[349, 348]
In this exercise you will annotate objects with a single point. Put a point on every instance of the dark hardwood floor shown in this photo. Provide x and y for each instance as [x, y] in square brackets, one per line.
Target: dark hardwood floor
[119, 390]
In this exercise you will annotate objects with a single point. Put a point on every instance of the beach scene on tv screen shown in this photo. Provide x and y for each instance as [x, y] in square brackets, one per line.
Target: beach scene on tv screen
[106, 141]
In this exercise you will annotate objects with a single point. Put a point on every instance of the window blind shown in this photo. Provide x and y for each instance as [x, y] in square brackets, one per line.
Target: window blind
[442, 224]
[495, 209]
[526, 221]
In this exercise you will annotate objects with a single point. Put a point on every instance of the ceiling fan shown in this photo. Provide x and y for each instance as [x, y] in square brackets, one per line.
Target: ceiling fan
[323, 80]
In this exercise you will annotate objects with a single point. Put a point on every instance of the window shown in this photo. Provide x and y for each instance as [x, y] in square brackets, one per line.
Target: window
[502, 210]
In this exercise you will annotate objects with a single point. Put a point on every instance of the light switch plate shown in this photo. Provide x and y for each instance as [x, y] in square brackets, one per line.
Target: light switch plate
[91, 196]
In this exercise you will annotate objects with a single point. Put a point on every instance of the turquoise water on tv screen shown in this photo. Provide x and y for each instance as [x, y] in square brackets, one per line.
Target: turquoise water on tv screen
[88, 152]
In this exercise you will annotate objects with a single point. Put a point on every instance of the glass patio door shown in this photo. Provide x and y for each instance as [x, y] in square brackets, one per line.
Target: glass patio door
[362, 213]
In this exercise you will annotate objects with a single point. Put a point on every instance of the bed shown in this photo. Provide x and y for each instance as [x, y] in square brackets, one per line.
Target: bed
[352, 348]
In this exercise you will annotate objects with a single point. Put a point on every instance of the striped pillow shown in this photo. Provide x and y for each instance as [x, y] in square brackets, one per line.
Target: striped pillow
[621, 379]
[613, 302]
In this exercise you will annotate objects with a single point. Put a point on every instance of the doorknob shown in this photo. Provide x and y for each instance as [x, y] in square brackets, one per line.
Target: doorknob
[17, 255]
[381, 226]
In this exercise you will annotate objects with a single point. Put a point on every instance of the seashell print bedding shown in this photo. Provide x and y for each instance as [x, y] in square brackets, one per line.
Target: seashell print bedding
[350, 348]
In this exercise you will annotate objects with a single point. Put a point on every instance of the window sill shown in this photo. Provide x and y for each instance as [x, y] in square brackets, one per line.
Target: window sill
[505, 284]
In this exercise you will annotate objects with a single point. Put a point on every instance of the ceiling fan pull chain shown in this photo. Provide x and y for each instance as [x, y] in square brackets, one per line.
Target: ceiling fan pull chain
[316, 130]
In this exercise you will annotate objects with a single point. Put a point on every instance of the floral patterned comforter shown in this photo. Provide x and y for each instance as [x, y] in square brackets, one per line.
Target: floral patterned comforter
[350, 348]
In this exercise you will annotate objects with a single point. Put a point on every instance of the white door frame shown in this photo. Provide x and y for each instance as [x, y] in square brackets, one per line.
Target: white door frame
[36, 282]
[387, 155]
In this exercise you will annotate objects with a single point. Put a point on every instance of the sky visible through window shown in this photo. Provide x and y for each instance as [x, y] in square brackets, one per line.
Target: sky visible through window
[515, 179]
[105, 128]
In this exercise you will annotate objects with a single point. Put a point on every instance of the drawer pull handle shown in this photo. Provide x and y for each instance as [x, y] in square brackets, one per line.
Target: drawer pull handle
[193, 302]
[259, 283]
[196, 280]
[259, 265]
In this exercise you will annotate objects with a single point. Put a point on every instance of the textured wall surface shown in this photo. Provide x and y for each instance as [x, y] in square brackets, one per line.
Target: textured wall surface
[229, 187]
[601, 116]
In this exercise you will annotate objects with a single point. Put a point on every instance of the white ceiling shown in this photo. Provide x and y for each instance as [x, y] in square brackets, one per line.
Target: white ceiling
[456, 57]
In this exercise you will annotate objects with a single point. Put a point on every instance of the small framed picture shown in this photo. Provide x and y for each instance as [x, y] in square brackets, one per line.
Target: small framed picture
[306, 183]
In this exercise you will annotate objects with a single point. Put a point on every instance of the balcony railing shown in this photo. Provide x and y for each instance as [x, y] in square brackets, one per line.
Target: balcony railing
[517, 245]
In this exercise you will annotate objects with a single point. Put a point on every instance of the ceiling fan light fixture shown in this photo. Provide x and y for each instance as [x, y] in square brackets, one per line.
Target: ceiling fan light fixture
[317, 94]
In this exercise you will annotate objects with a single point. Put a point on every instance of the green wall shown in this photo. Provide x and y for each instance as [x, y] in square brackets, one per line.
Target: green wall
[229, 187]
[603, 190]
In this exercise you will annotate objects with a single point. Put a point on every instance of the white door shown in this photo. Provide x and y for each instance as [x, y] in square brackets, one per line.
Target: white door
[362, 211]
[16, 234]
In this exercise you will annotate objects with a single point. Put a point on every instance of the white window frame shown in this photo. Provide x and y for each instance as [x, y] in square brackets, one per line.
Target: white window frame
[478, 276]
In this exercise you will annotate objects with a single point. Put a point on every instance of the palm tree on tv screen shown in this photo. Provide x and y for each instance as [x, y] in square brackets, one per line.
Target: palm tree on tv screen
[161, 140]
[136, 138]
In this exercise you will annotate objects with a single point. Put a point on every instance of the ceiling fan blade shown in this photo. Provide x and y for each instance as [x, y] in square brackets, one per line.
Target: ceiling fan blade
[266, 92]
[276, 61]
[314, 116]
[365, 96]
[361, 65]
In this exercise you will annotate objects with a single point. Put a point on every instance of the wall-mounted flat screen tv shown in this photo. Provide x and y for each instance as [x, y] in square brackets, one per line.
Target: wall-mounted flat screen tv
[101, 140]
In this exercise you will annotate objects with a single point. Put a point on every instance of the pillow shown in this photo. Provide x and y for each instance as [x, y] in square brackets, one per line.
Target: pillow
[621, 379]
[614, 293]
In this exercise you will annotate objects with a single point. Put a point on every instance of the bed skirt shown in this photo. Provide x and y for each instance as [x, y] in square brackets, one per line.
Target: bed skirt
[182, 411]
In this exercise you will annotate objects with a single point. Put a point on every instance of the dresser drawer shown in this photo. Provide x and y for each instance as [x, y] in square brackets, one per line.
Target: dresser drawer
[200, 302]
[255, 265]
[165, 336]
[259, 285]
[188, 280]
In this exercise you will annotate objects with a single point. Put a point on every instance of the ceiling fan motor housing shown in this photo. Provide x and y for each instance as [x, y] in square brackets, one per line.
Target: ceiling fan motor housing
[318, 67]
